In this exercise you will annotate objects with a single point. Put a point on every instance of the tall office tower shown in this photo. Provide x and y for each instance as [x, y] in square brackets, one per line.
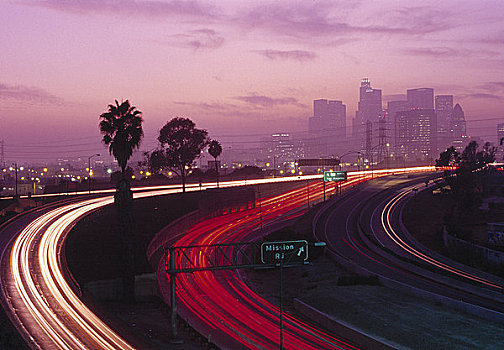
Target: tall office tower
[415, 133]
[458, 122]
[396, 106]
[370, 103]
[328, 114]
[422, 98]
[444, 110]
[328, 126]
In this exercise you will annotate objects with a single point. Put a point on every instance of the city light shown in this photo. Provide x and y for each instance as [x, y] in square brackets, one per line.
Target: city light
[109, 171]
[45, 170]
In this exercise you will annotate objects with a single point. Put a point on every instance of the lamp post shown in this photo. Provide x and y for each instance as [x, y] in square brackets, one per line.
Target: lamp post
[260, 209]
[16, 183]
[89, 169]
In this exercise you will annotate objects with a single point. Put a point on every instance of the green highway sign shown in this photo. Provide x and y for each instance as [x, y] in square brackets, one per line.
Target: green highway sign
[286, 252]
[335, 176]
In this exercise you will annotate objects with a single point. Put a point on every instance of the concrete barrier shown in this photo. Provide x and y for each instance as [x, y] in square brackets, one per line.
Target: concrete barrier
[358, 336]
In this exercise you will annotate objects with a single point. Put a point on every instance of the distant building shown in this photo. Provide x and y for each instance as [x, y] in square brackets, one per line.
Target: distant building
[327, 128]
[415, 134]
[281, 148]
[500, 132]
[393, 107]
[458, 123]
[444, 111]
[422, 98]
[328, 115]
[370, 103]
[499, 155]
[370, 110]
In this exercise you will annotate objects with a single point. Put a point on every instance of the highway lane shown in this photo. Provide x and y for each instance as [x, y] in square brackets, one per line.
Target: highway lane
[221, 298]
[395, 235]
[43, 306]
[364, 231]
[41, 302]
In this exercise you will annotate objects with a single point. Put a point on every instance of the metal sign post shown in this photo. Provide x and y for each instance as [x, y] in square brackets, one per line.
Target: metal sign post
[230, 256]
[278, 253]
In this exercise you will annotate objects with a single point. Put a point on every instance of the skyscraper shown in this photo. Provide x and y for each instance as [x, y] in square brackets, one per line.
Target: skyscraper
[444, 111]
[415, 133]
[458, 122]
[422, 98]
[370, 103]
[328, 128]
[393, 107]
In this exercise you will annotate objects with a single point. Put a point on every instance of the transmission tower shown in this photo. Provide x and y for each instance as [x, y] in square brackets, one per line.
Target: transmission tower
[382, 140]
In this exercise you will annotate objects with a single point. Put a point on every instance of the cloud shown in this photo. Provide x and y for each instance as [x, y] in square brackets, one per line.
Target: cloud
[197, 39]
[480, 95]
[297, 55]
[149, 8]
[207, 106]
[27, 94]
[304, 20]
[265, 101]
[436, 52]
[493, 86]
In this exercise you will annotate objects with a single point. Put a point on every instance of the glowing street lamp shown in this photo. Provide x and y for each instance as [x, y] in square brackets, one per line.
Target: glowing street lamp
[90, 171]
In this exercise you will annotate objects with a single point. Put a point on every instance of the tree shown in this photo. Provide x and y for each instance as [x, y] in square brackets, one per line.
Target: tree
[122, 131]
[215, 149]
[154, 161]
[183, 143]
[450, 157]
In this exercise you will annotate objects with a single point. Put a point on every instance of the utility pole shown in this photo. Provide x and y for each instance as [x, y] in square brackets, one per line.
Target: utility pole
[16, 172]
[89, 171]
[2, 153]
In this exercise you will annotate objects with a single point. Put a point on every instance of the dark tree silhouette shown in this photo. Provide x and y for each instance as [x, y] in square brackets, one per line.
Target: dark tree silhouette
[183, 143]
[154, 161]
[215, 149]
[449, 157]
[122, 131]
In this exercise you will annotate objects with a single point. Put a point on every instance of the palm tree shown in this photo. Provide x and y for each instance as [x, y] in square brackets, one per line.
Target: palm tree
[122, 131]
[121, 127]
[215, 149]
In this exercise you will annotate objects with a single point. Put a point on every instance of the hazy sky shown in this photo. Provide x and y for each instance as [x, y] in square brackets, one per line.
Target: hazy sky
[235, 67]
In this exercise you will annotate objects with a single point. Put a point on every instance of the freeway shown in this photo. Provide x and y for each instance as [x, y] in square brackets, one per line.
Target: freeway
[44, 304]
[219, 305]
[365, 232]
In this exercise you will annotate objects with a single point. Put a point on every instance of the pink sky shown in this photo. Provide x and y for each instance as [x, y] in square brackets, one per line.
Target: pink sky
[236, 66]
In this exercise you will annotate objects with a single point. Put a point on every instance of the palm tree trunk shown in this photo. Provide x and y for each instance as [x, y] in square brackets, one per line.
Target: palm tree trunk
[123, 200]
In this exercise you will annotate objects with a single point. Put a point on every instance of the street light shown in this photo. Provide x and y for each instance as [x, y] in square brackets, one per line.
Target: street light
[16, 171]
[90, 172]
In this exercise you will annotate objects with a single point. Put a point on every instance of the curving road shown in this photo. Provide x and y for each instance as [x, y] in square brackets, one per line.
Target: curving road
[365, 232]
[43, 303]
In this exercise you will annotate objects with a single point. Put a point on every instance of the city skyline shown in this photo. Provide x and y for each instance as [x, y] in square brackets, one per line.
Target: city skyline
[234, 69]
